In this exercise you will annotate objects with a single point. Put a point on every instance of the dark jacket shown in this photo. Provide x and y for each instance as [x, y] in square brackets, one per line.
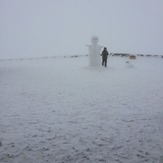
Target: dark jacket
[105, 54]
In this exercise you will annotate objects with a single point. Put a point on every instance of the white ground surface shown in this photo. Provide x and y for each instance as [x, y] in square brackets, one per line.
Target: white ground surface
[62, 111]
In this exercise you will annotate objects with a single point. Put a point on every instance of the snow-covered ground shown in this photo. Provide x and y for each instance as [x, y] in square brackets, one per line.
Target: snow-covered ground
[62, 111]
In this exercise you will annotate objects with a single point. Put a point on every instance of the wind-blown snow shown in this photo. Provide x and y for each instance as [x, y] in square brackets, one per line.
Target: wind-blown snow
[62, 111]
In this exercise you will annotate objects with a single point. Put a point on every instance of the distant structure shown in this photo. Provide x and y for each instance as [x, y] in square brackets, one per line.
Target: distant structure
[94, 52]
[132, 57]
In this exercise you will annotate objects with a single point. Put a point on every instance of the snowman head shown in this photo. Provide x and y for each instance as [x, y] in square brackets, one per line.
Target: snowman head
[94, 39]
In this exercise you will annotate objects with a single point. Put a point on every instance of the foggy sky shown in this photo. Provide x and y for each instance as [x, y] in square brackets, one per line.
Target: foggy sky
[33, 28]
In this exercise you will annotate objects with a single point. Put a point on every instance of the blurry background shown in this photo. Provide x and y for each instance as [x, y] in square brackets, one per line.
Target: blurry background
[37, 28]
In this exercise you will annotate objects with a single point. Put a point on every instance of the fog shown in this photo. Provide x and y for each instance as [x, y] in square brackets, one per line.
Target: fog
[36, 28]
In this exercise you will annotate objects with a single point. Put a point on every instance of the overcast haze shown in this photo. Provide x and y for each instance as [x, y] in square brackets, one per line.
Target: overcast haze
[33, 28]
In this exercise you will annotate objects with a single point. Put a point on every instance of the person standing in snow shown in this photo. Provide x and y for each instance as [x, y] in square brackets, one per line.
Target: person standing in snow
[104, 57]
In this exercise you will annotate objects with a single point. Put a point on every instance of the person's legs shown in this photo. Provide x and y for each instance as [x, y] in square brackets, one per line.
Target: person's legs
[105, 62]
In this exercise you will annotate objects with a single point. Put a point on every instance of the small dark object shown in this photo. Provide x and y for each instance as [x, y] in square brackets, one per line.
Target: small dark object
[132, 57]
[104, 56]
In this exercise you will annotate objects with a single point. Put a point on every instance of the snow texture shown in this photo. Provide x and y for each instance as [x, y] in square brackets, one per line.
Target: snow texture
[63, 111]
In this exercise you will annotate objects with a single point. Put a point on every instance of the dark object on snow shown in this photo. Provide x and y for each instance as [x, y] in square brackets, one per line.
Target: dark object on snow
[0, 143]
[104, 57]
[132, 57]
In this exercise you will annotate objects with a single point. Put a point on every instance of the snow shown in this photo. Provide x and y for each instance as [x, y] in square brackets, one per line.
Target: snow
[94, 55]
[94, 52]
[61, 110]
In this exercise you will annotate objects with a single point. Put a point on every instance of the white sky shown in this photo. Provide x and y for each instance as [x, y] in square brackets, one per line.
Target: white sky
[33, 28]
